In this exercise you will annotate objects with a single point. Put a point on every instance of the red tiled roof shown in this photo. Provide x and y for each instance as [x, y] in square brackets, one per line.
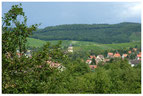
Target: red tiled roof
[125, 55]
[110, 54]
[88, 60]
[117, 55]
[53, 64]
[93, 66]
[139, 55]
[93, 57]
[129, 51]
[18, 54]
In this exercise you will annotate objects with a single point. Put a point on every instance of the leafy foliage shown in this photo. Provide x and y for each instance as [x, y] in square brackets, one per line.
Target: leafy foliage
[15, 31]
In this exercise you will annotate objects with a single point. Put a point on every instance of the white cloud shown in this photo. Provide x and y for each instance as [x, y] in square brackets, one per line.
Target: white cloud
[131, 10]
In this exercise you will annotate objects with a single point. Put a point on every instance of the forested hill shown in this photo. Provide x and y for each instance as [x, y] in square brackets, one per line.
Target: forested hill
[99, 33]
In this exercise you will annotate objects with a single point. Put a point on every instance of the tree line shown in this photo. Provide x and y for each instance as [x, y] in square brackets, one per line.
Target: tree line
[100, 33]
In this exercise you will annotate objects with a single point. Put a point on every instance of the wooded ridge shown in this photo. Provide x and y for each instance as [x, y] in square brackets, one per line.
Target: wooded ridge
[99, 33]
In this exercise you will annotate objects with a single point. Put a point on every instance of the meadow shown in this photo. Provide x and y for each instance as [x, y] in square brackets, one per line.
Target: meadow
[84, 45]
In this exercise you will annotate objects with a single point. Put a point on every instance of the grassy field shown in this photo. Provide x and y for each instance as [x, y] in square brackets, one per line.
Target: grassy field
[107, 46]
[35, 42]
[83, 45]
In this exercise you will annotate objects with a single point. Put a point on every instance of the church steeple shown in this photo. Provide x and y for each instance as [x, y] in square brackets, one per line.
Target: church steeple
[70, 48]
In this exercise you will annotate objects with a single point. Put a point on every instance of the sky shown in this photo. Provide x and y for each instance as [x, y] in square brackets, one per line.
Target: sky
[57, 13]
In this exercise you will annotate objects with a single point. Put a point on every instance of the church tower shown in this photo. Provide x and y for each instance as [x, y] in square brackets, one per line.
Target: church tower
[70, 48]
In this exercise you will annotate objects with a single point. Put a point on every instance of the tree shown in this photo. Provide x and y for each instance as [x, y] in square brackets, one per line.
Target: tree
[15, 30]
[14, 35]
[102, 81]
[132, 56]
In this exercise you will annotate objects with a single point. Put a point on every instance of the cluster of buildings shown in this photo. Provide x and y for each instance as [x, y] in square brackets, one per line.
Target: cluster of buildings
[135, 61]
[97, 59]
[50, 63]
[27, 54]
[56, 65]
[110, 55]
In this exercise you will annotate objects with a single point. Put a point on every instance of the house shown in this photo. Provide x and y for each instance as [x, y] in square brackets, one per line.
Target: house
[117, 55]
[106, 60]
[110, 55]
[70, 48]
[88, 61]
[19, 54]
[61, 68]
[134, 49]
[92, 67]
[91, 57]
[17, 51]
[124, 56]
[134, 62]
[129, 52]
[55, 65]
[8, 55]
[139, 56]
[28, 54]
[99, 58]
[22, 53]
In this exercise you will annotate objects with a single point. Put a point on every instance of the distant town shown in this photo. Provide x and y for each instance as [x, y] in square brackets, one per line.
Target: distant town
[92, 60]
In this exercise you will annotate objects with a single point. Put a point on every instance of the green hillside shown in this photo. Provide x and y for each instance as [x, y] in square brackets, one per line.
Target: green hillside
[98, 47]
[100, 33]
[83, 45]
[35, 42]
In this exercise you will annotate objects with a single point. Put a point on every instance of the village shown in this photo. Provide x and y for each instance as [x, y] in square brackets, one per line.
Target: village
[101, 59]
[92, 60]
[110, 56]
